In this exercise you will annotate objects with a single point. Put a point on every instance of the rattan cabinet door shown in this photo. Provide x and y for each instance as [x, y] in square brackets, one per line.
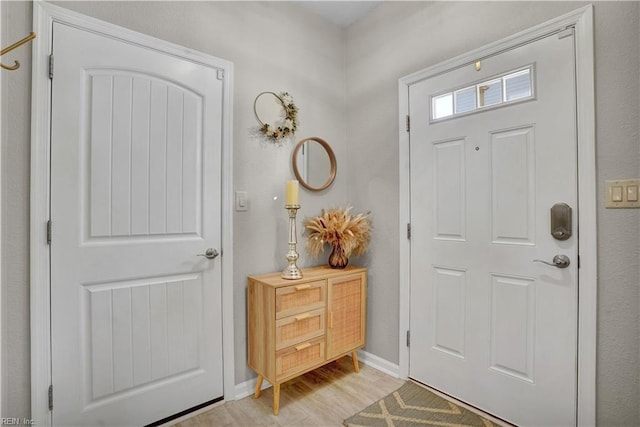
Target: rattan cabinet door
[346, 311]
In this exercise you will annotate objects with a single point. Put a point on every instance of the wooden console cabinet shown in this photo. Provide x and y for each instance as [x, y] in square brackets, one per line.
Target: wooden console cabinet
[295, 326]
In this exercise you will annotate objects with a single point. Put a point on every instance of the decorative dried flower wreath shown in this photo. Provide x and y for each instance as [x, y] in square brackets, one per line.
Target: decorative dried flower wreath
[284, 128]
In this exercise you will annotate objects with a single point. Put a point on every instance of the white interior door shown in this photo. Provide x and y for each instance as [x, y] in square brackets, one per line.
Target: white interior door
[492, 150]
[136, 326]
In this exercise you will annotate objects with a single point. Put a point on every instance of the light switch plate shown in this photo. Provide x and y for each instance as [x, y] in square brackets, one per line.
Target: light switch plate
[616, 193]
[621, 194]
[242, 201]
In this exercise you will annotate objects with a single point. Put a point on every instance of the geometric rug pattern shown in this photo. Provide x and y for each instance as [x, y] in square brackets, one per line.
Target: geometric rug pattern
[412, 406]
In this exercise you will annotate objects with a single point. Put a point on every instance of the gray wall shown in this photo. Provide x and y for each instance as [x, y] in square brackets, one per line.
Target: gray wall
[275, 46]
[397, 39]
[15, 92]
[279, 46]
[258, 38]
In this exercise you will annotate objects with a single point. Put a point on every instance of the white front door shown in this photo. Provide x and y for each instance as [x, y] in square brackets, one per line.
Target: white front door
[493, 148]
[136, 328]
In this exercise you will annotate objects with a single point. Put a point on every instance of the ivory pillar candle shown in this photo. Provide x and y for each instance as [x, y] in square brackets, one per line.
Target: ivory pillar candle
[292, 193]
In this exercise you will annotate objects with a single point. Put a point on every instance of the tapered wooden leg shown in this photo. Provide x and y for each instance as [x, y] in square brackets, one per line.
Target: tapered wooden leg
[258, 386]
[276, 399]
[354, 356]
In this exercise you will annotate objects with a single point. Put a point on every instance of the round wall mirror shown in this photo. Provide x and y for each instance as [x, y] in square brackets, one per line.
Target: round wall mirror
[314, 163]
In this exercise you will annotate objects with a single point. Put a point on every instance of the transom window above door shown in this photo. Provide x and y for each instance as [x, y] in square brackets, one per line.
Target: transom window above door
[511, 87]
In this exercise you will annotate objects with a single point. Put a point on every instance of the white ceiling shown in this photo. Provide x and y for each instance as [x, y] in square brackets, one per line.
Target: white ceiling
[341, 13]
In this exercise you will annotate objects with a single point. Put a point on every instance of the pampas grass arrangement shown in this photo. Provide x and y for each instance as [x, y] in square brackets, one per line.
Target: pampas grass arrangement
[337, 227]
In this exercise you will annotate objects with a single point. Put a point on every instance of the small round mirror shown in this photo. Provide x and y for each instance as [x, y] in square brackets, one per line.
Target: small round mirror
[314, 164]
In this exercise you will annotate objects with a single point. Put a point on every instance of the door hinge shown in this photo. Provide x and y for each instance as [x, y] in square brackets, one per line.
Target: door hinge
[408, 338]
[220, 75]
[408, 123]
[51, 66]
[51, 397]
[409, 231]
[49, 232]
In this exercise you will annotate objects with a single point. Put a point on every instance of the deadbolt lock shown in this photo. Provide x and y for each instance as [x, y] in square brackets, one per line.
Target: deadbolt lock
[561, 221]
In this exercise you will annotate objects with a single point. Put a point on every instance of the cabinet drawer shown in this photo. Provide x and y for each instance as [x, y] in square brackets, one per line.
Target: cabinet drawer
[300, 327]
[300, 357]
[296, 299]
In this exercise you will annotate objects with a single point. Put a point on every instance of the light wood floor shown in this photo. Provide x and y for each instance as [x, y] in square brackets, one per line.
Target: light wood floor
[324, 397]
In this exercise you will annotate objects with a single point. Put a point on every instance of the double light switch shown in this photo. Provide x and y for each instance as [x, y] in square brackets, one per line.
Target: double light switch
[623, 193]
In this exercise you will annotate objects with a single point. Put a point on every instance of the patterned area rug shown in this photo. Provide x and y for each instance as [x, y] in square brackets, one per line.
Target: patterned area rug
[413, 405]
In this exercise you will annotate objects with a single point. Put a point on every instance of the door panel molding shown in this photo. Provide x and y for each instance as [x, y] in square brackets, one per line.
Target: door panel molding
[44, 16]
[582, 21]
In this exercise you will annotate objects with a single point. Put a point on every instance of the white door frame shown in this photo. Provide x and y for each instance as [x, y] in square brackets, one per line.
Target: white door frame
[582, 19]
[44, 15]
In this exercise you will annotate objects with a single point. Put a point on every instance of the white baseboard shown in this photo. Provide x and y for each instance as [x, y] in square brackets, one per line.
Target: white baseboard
[248, 387]
[379, 363]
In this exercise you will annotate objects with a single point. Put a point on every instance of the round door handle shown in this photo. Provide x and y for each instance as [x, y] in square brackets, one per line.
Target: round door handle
[210, 253]
[560, 261]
